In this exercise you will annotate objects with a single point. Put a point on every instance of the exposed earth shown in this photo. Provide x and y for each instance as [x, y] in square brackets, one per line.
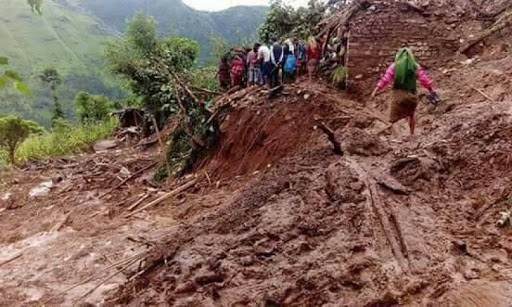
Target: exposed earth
[272, 216]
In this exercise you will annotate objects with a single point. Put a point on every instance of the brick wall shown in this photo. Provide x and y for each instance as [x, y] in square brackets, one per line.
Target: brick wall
[377, 33]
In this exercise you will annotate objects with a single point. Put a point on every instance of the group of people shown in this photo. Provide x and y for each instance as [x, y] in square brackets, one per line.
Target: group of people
[283, 62]
[269, 65]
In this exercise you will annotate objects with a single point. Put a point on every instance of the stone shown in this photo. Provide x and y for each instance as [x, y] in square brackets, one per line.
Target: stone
[103, 145]
[42, 189]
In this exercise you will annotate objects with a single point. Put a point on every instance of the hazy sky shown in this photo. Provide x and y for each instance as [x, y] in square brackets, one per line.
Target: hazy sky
[215, 5]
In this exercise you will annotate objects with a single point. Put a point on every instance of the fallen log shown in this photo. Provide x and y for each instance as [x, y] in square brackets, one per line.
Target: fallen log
[165, 197]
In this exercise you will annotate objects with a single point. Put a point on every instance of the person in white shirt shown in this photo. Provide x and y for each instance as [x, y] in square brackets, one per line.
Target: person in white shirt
[264, 57]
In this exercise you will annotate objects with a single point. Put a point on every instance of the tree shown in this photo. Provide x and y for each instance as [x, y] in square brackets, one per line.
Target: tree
[92, 108]
[284, 21]
[52, 79]
[13, 131]
[147, 61]
[159, 70]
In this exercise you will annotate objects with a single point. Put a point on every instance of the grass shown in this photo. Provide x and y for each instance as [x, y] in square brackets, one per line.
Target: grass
[63, 141]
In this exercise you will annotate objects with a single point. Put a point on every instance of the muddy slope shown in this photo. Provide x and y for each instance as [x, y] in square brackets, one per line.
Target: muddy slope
[394, 221]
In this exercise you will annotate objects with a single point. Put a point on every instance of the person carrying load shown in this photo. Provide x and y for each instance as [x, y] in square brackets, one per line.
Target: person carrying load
[405, 73]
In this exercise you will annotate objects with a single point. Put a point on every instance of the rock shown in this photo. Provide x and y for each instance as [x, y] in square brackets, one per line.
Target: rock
[125, 171]
[359, 77]
[103, 145]
[468, 62]
[460, 246]
[247, 261]
[307, 96]
[6, 197]
[42, 189]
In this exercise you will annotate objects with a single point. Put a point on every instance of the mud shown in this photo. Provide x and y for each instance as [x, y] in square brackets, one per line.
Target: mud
[276, 218]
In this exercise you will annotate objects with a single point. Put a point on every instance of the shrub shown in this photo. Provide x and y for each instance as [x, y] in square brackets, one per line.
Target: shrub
[13, 131]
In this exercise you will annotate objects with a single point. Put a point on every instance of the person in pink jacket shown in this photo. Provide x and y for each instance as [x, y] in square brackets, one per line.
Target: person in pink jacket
[405, 73]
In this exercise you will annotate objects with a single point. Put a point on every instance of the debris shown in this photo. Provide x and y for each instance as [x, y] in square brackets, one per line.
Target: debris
[482, 93]
[138, 202]
[42, 189]
[165, 197]
[129, 178]
[505, 219]
[59, 225]
[460, 246]
[332, 138]
[10, 259]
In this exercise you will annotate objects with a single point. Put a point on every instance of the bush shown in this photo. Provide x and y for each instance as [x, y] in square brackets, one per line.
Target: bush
[13, 131]
[65, 139]
[92, 108]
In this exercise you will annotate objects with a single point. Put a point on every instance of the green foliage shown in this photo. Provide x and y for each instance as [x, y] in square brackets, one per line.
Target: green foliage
[64, 139]
[146, 61]
[13, 131]
[338, 75]
[284, 21]
[92, 108]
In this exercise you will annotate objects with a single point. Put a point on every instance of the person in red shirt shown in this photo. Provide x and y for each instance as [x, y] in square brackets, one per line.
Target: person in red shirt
[237, 70]
[313, 56]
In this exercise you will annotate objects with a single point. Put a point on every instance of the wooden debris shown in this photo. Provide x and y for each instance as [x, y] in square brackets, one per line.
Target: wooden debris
[481, 92]
[138, 202]
[11, 259]
[165, 197]
[129, 178]
[332, 138]
[64, 220]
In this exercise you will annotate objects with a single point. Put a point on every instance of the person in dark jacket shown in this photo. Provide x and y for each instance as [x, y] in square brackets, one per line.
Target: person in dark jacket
[276, 62]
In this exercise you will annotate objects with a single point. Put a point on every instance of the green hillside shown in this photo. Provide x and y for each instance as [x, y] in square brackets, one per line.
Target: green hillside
[70, 35]
[71, 42]
[175, 17]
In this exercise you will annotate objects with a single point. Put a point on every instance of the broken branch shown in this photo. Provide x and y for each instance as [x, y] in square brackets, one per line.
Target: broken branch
[330, 135]
[165, 197]
[128, 179]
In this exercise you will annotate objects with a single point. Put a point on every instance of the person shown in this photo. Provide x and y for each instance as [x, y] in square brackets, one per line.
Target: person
[313, 55]
[237, 70]
[264, 59]
[405, 73]
[254, 66]
[276, 62]
[224, 73]
[290, 67]
[300, 55]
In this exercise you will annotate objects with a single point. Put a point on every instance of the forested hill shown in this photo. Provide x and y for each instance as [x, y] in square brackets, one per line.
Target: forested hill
[71, 42]
[71, 35]
[175, 17]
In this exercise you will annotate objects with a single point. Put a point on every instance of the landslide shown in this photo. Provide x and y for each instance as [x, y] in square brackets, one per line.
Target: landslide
[396, 220]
